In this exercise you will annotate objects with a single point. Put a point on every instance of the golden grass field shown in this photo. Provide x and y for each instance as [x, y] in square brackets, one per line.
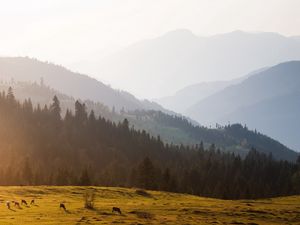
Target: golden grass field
[157, 208]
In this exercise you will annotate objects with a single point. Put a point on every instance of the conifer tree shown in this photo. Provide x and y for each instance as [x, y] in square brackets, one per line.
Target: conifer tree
[55, 109]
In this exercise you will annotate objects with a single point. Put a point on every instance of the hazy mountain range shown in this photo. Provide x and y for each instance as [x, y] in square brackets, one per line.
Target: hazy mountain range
[74, 84]
[268, 101]
[161, 66]
[171, 129]
[186, 97]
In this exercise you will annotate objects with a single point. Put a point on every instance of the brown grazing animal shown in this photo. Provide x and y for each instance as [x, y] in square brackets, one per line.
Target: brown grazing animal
[8, 204]
[62, 206]
[17, 204]
[23, 202]
[116, 209]
[32, 202]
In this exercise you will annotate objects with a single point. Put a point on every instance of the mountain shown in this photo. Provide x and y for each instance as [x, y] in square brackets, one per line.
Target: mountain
[73, 84]
[161, 66]
[172, 129]
[190, 95]
[278, 117]
[267, 101]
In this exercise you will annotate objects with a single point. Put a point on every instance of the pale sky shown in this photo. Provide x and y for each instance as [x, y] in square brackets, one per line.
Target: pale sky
[68, 31]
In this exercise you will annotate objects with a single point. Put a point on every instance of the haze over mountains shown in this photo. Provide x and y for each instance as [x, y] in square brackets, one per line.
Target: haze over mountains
[268, 101]
[154, 64]
[186, 97]
[171, 129]
[70, 83]
[159, 67]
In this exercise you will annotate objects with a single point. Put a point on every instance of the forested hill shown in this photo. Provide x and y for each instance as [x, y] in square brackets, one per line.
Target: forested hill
[171, 129]
[232, 138]
[39, 147]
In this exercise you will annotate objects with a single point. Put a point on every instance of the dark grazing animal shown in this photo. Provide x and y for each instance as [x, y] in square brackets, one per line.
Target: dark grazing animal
[62, 206]
[8, 204]
[17, 204]
[23, 202]
[32, 202]
[116, 209]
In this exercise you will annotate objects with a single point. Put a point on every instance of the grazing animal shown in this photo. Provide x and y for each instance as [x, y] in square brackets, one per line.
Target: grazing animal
[17, 204]
[8, 204]
[23, 202]
[62, 206]
[32, 202]
[116, 209]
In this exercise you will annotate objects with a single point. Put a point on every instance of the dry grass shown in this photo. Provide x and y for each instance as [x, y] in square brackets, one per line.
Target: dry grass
[160, 208]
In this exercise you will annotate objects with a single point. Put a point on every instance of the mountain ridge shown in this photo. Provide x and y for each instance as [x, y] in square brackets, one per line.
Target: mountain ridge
[82, 86]
[280, 80]
[153, 63]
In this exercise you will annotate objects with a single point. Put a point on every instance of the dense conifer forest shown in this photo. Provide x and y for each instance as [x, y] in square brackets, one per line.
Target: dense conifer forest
[171, 127]
[40, 147]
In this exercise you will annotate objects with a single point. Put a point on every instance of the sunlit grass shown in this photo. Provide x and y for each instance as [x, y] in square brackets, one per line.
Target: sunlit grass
[139, 208]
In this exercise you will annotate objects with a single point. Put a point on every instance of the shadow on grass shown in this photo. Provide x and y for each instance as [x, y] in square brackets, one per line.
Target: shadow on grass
[143, 214]
[67, 211]
[106, 213]
[143, 193]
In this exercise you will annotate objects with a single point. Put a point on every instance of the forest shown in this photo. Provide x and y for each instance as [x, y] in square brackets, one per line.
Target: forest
[39, 146]
[171, 127]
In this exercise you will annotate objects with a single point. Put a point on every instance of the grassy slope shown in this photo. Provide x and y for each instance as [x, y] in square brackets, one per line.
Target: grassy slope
[159, 208]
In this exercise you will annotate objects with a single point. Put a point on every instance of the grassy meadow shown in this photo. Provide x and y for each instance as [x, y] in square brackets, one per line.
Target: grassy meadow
[139, 207]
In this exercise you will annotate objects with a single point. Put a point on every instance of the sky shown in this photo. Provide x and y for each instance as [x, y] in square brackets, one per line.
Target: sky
[70, 31]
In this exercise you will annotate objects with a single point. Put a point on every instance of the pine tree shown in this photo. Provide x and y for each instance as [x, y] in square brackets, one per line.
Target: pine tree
[55, 109]
[146, 174]
[125, 124]
[10, 94]
[80, 113]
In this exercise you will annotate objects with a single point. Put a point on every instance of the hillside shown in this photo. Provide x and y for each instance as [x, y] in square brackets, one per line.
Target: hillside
[163, 65]
[267, 101]
[154, 208]
[38, 147]
[171, 129]
[278, 117]
[74, 84]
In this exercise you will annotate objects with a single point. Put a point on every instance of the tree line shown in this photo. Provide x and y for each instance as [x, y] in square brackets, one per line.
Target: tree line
[171, 128]
[38, 146]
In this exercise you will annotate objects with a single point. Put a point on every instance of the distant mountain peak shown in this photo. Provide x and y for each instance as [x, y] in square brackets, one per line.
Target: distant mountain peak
[153, 63]
[180, 33]
[238, 32]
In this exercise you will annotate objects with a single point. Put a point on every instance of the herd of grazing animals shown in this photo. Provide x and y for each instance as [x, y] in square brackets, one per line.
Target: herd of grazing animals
[17, 204]
[61, 205]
